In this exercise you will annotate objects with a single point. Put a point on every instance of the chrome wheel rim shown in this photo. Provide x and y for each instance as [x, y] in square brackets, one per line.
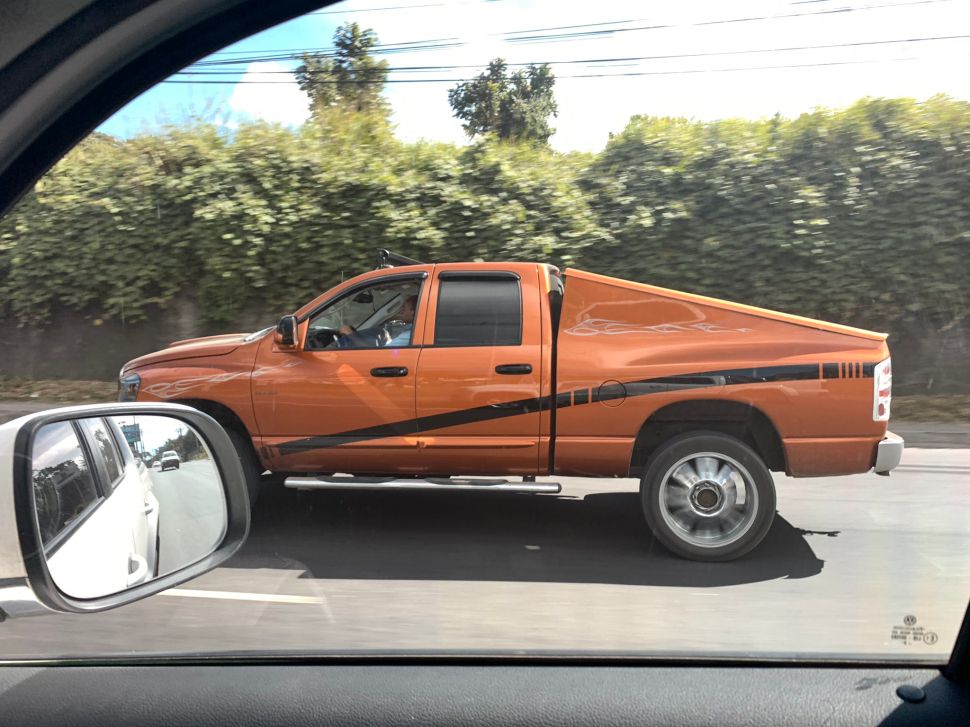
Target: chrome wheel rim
[708, 499]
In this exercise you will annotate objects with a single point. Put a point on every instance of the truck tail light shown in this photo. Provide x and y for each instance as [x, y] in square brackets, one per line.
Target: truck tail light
[882, 390]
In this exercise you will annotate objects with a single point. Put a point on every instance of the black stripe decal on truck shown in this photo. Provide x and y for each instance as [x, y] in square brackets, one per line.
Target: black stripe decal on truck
[643, 387]
[847, 370]
[410, 427]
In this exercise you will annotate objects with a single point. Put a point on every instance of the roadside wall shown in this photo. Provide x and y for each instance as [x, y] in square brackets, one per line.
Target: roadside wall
[81, 346]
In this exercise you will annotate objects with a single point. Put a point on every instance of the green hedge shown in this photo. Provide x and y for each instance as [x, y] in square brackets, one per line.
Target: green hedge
[860, 215]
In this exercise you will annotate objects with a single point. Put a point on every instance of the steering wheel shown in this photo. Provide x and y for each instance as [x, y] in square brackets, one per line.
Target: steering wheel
[321, 338]
[343, 340]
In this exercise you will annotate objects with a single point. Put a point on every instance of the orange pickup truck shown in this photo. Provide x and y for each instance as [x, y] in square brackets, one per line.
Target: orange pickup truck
[425, 376]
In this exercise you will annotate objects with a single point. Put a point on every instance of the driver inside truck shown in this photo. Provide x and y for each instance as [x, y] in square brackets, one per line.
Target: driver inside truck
[395, 331]
[402, 333]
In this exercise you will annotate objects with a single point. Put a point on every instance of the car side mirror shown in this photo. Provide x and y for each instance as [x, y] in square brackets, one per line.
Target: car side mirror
[286, 334]
[85, 526]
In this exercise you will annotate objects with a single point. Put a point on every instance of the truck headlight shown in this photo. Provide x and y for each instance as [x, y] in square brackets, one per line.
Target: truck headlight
[128, 387]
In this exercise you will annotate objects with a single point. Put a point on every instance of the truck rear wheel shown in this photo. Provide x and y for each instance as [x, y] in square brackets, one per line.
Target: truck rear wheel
[707, 496]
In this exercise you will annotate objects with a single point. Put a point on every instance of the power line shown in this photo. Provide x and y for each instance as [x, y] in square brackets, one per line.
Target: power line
[586, 61]
[435, 44]
[585, 75]
[580, 25]
[350, 11]
[295, 54]
[321, 50]
[373, 10]
[724, 21]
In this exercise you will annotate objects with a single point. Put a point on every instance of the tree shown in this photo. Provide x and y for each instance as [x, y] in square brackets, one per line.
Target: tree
[512, 106]
[348, 79]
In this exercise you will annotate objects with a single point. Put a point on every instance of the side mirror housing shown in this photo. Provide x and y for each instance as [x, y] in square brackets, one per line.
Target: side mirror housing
[86, 527]
[286, 334]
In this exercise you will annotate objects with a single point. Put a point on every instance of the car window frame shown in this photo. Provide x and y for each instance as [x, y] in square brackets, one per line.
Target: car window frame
[64, 534]
[127, 455]
[106, 484]
[475, 275]
[88, 93]
[420, 277]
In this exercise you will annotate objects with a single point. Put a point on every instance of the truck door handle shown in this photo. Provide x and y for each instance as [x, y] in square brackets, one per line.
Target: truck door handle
[513, 369]
[387, 371]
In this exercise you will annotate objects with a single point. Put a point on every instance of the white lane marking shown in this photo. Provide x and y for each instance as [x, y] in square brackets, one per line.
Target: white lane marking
[240, 596]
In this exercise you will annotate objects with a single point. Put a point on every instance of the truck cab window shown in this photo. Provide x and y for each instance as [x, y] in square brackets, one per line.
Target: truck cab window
[377, 316]
[478, 311]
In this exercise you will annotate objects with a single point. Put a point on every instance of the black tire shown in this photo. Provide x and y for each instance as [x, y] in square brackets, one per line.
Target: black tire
[158, 548]
[250, 465]
[690, 520]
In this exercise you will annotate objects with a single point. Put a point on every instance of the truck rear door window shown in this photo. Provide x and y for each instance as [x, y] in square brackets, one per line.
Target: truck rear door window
[478, 311]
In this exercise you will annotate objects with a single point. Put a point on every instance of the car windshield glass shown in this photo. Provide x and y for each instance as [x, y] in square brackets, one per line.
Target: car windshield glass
[612, 328]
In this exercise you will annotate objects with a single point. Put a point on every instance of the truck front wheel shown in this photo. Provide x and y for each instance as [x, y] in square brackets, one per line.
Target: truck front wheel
[250, 465]
[707, 496]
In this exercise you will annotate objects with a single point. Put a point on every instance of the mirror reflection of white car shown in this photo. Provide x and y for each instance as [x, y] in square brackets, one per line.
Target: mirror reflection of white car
[95, 506]
[79, 507]
[170, 460]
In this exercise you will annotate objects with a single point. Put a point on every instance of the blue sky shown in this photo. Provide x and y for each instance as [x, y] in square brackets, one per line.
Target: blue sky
[173, 102]
[721, 69]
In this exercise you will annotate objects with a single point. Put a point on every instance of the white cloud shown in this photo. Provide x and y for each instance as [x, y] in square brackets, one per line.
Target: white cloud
[268, 92]
[591, 108]
[682, 71]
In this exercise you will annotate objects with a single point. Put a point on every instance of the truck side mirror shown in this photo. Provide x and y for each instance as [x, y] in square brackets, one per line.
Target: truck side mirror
[84, 526]
[286, 334]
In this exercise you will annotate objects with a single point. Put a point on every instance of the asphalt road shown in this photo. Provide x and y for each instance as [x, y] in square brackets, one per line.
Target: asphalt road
[192, 513]
[847, 561]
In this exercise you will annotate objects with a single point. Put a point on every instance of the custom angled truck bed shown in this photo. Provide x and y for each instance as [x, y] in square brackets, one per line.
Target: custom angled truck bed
[638, 351]
[422, 372]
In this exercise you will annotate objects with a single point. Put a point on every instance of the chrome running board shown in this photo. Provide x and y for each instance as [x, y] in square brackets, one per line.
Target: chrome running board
[431, 483]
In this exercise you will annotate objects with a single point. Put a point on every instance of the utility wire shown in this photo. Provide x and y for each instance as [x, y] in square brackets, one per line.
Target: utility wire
[669, 56]
[350, 11]
[516, 36]
[584, 75]
[723, 21]
[373, 10]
